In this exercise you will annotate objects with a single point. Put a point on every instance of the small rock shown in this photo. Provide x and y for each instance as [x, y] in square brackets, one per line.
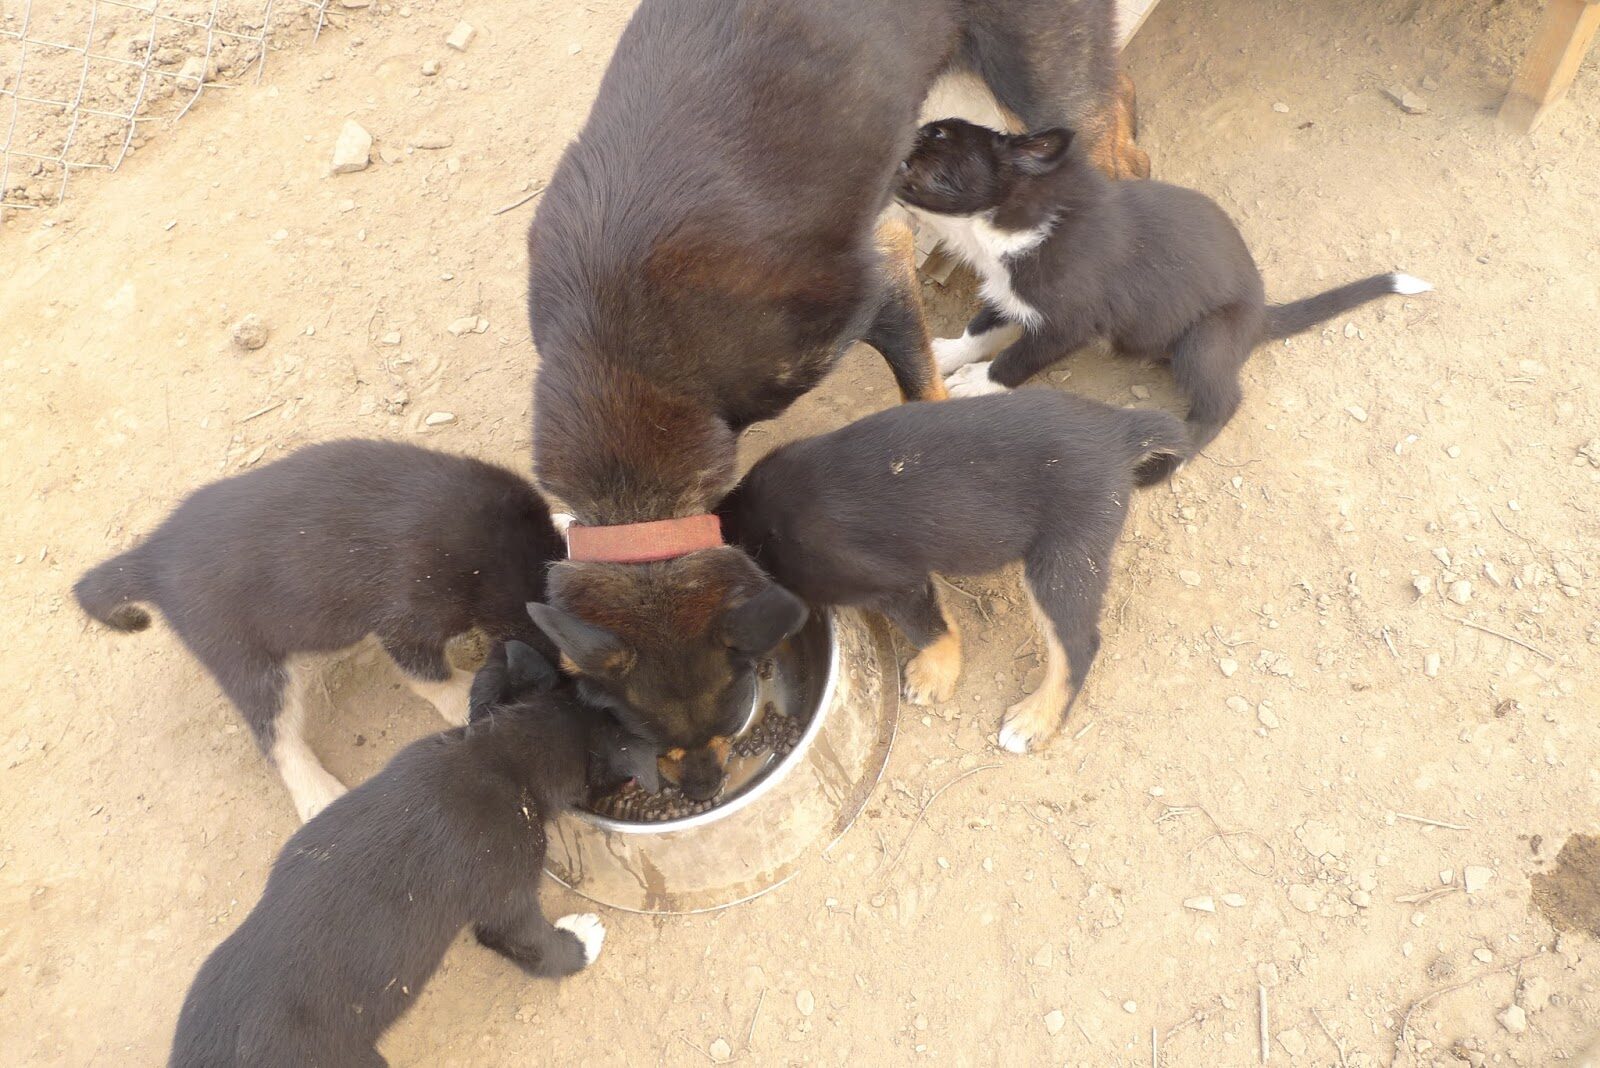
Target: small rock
[806, 1002]
[1141, 392]
[1305, 898]
[194, 70]
[574, 48]
[1493, 573]
[1454, 452]
[1419, 918]
[1408, 102]
[1430, 665]
[353, 150]
[1227, 666]
[1461, 591]
[468, 324]
[1200, 904]
[1238, 704]
[1513, 1019]
[1054, 1021]
[1568, 575]
[1130, 1007]
[1483, 956]
[1294, 1042]
[346, 205]
[391, 338]
[1319, 839]
[1268, 718]
[1476, 877]
[1534, 995]
[1351, 330]
[1446, 876]
[1190, 578]
[1045, 957]
[250, 332]
[1361, 899]
[440, 419]
[1423, 585]
[719, 1050]
[1441, 554]
[430, 68]
[1358, 413]
[1281, 108]
[461, 36]
[431, 140]
[1233, 901]
[1430, 83]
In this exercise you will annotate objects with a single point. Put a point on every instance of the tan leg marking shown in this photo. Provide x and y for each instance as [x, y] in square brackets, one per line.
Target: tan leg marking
[449, 696]
[1037, 716]
[932, 674]
[311, 787]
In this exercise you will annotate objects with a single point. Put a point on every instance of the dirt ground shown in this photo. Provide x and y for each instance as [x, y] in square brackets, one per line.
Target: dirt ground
[1373, 603]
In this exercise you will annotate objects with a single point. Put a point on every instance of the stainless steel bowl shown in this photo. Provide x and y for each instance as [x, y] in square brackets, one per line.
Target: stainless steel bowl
[841, 671]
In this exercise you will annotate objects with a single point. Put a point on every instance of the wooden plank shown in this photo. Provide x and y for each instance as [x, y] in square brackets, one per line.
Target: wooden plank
[1564, 34]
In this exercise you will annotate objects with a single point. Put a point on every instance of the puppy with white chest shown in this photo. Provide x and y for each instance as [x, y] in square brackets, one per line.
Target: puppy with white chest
[434, 554]
[867, 514]
[1068, 256]
[363, 901]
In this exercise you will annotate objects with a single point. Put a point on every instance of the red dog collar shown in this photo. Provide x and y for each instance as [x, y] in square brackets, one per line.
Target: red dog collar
[642, 543]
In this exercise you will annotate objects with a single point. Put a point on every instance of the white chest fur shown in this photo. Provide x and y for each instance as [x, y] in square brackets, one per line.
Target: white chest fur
[975, 239]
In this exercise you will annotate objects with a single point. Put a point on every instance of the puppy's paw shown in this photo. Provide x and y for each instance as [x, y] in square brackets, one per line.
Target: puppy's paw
[954, 353]
[931, 675]
[588, 930]
[1030, 722]
[312, 793]
[973, 381]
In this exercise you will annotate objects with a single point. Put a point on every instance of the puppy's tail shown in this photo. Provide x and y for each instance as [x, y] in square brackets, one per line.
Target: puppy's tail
[108, 592]
[1157, 444]
[1286, 320]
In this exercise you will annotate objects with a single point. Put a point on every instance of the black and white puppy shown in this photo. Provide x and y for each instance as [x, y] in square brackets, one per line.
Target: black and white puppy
[867, 514]
[434, 554]
[1070, 256]
[364, 900]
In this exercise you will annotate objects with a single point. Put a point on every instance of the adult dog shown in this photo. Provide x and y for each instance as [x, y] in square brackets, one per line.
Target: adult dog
[705, 252]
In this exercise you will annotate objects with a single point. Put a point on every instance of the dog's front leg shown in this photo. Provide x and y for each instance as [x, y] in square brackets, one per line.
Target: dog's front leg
[898, 330]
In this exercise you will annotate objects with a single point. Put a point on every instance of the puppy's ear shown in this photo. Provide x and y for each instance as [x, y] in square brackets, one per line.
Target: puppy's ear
[593, 650]
[1040, 153]
[527, 671]
[759, 624]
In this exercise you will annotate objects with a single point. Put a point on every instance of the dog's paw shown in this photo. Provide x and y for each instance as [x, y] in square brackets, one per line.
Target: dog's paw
[1030, 722]
[954, 353]
[931, 675]
[973, 381]
[312, 793]
[588, 930]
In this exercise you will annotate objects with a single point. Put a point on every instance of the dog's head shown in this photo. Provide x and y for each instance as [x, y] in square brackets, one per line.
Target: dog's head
[960, 168]
[671, 649]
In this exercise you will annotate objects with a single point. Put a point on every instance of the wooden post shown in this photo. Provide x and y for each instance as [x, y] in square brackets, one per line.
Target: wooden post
[1551, 63]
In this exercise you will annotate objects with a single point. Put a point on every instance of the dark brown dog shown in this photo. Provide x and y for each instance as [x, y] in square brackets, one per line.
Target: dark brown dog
[705, 253]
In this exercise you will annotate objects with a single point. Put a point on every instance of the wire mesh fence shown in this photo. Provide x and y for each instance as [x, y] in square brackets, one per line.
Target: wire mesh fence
[80, 78]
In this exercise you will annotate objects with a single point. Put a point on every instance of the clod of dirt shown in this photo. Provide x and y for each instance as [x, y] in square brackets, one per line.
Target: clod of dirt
[1054, 1021]
[1513, 1019]
[461, 36]
[353, 150]
[1461, 591]
[430, 68]
[1477, 877]
[250, 332]
[1569, 894]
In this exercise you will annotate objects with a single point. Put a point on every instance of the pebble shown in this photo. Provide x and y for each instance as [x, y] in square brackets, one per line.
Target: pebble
[1442, 555]
[1454, 452]
[1513, 1019]
[461, 36]
[1281, 108]
[1423, 585]
[1190, 578]
[430, 68]
[1200, 904]
[1476, 877]
[1358, 413]
[1406, 100]
[1351, 330]
[806, 1002]
[1430, 665]
[440, 419]
[1294, 1042]
[1227, 666]
[429, 139]
[347, 205]
[1268, 718]
[468, 324]
[1429, 82]
[1238, 704]
[1461, 591]
[250, 332]
[1361, 899]
[1305, 898]
[353, 150]
[1141, 392]
[1130, 1007]
[1054, 1021]
[719, 1047]
[1233, 901]
[1568, 575]
[1493, 574]
[1483, 956]
[574, 48]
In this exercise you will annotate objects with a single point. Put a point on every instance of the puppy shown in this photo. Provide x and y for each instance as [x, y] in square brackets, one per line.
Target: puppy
[430, 552]
[1069, 256]
[705, 253]
[867, 514]
[364, 900]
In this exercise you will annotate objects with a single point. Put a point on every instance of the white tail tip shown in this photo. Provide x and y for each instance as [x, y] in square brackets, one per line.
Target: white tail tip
[1409, 284]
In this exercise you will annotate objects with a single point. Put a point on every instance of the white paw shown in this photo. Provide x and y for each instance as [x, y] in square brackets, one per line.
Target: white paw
[952, 353]
[314, 793]
[1030, 721]
[973, 381]
[589, 931]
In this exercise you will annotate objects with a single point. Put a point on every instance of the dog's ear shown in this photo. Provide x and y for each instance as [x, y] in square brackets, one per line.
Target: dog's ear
[592, 650]
[1040, 153]
[527, 671]
[759, 624]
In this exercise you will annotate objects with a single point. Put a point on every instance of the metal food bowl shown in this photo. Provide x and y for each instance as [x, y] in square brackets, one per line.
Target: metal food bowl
[840, 674]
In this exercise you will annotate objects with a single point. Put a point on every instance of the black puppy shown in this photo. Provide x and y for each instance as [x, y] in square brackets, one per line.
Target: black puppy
[1069, 256]
[364, 900]
[867, 514]
[432, 553]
